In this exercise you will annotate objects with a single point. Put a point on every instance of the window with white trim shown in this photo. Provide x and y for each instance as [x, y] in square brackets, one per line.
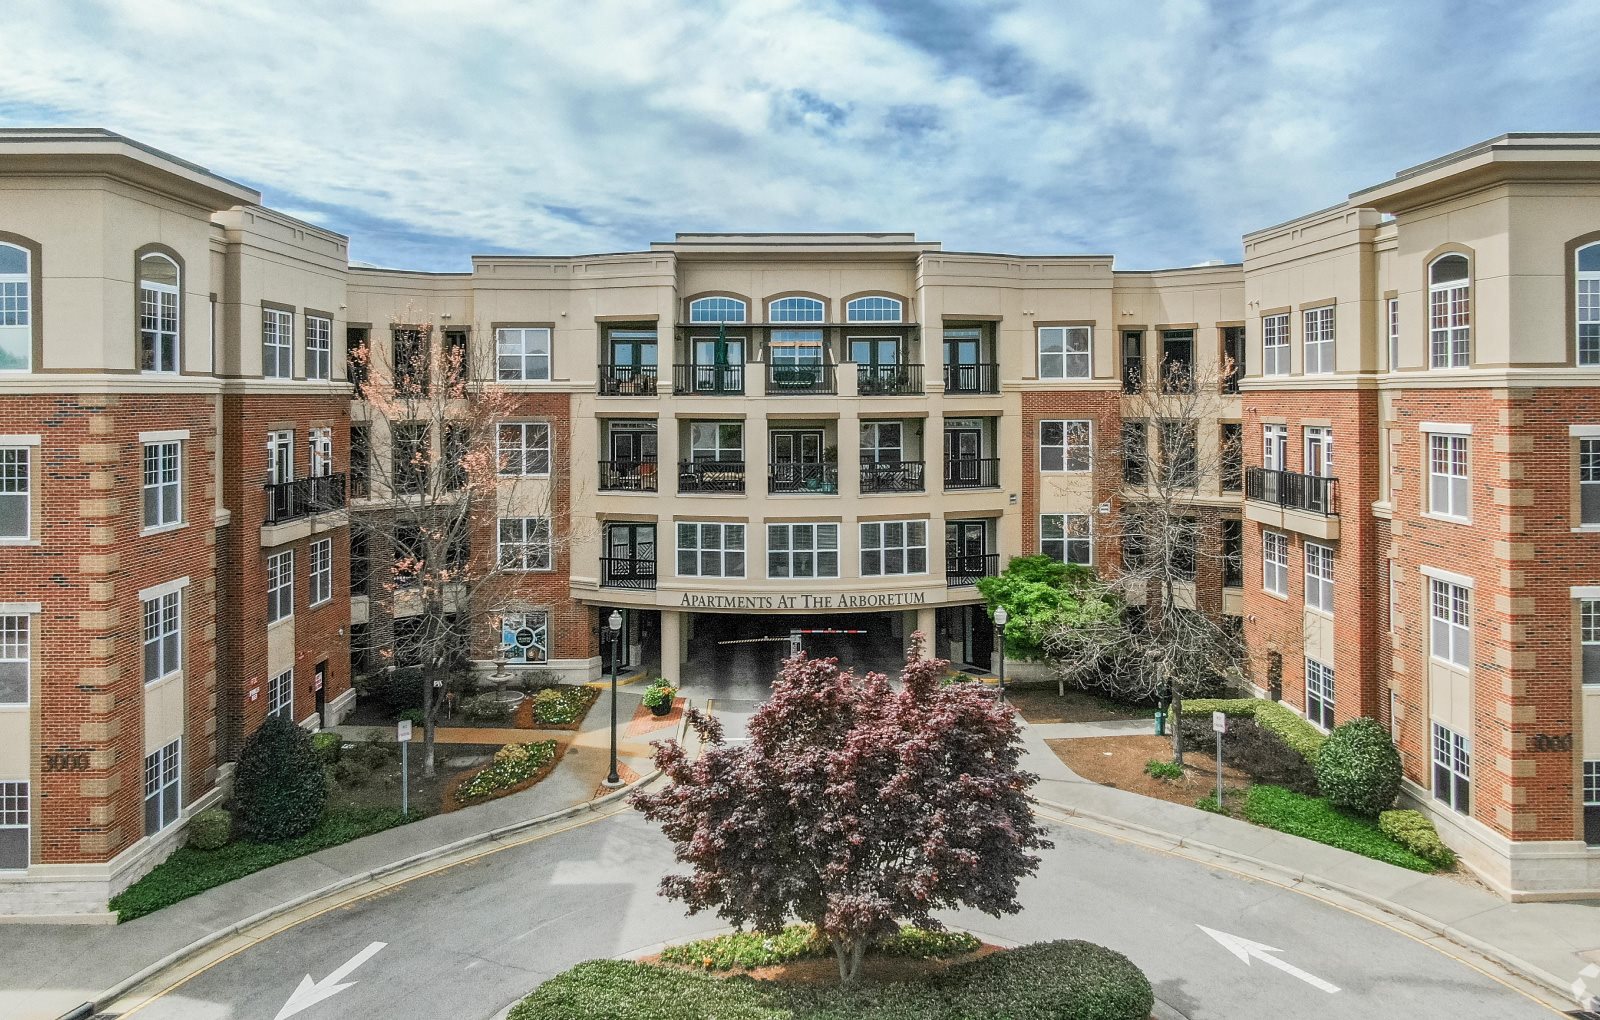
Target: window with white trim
[795, 309]
[1394, 333]
[1450, 610]
[1319, 577]
[1319, 693]
[1275, 344]
[717, 309]
[873, 308]
[280, 456]
[163, 799]
[277, 344]
[16, 507]
[894, 547]
[1448, 493]
[321, 452]
[1066, 538]
[321, 571]
[525, 543]
[1275, 447]
[319, 347]
[525, 637]
[163, 484]
[16, 308]
[1064, 446]
[1452, 769]
[1318, 324]
[1064, 352]
[1588, 305]
[881, 442]
[524, 448]
[1275, 563]
[280, 696]
[1591, 803]
[280, 586]
[1589, 640]
[523, 353]
[16, 660]
[802, 550]
[1449, 314]
[14, 811]
[163, 636]
[706, 549]
[158, 314]
[1588, 482]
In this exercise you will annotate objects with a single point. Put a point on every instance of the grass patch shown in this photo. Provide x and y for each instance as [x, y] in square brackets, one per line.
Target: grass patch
[513, 766]
[189, 871]
[1314, 818]
[746, 950]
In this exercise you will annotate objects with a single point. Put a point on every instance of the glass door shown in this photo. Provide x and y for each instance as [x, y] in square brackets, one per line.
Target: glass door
[717, 371]
[963, 456]
[631, 555]
[961, 351]
[877, 361]
[633, 362]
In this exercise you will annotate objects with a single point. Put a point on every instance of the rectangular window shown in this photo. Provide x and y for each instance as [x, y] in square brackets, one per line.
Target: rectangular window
[1232, 552]
[1275, 344]
[277, 344]
[412, 453]
[162, 485]
[1066, 538]
[1589, 639]
[1232, 467]
[163, 627]
[1135, 452]
[1319, 450]
[456, 367]
[525, 543]
[15, 660]
[319, 347]
[280, 586]
[413, 352]
[1588, 482]
[1394, 334]
[16, 510]
[360, 562]
[1447, 477]
[1319, 340]
[1180, 454]
[1275, 563]
[881, 442]
[1452, 769]
[14, 805]
[1451, 615]
[1132, 361]
[1177, 361]
[321, 452]
[894, 547]
[1319, 577]
[524, 448]
[358, 359]
[710, 550]
[1063, 352]
[1232, 358]
[457, 447]
[162, 799]
[721, 441]
[280, 696]
[321, 571]
[1275, 447]
[280, 457]
[1319, 693]
[1064, 446]
[158, 321]
[360, 461]
[1449, 322]
[523, 353]
[802, 550]
[1591, 803]
[525, 637]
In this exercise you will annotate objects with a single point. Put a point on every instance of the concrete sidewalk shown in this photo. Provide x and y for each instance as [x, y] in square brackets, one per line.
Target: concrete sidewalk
[46, 970]
[1549, 943]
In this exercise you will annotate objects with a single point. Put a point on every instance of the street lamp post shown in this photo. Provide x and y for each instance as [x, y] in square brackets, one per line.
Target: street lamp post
[1000, 630]
[615, 621]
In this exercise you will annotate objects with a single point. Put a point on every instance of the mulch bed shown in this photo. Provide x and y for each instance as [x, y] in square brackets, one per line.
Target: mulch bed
[825, 970]
[448, 795]
[1119, 762]
[1040, 704]
[523, 720]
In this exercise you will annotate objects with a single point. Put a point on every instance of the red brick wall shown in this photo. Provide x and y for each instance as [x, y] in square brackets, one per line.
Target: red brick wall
[1104, 409]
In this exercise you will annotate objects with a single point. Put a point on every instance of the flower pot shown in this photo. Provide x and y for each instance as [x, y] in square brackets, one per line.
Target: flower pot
[661, 709]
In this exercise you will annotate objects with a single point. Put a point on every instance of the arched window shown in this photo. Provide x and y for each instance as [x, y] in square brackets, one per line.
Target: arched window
[717, 309]
[876, 308]
[1449, 313]
[158, 314]
[795, 309]
[16, 308]
[1588, 291]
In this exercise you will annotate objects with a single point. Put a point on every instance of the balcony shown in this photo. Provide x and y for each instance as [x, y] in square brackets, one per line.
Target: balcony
[889, 380]
[972, 378]
[302, 497]
[972, 473]
[711, 476]
[622, 572]
[901, 476]
[627, 380]
[628, 475]
[803, 379]
[822, 479]
[708, 380]
[966, 571]
[1306, 504]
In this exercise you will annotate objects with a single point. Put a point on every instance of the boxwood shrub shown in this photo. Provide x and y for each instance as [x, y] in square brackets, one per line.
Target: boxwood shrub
[1414, 831]
[210, 829]
[1272, 716]
[1252, 748]
[1359, 769]
[280, 788]
[750, 949]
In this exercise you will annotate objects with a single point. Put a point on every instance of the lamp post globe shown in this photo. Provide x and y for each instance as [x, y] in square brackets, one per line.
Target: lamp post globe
[614, 624]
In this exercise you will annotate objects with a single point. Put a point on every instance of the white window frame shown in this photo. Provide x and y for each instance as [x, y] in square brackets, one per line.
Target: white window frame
[514, 453]
[1318, 340]
[1318, 440]
[1319, 694]
[1449, 318]
[887, 543]
[1319, 577]
[1452, 752]
[163, 636]
[1275, 563]
[1074, 454]
[15, 811]
[320, 576]
[16, 308]
[512, 624]
[163, 771]
[277, 344]
[719, 556]
[795, 308]
[1067, 538]
[522, 353]
[319, 347]
[789, 557]
[160, 318]
[875, 447]
[1588, 475]
[1449, 490]
[1393, 311]
[524, 544]
[1065, 352]
[163, 481]
[1275, 357]
[715, 309]
[1586, 313]
[16, 483]
[716, 451]
[321, 442]
[1274, 446]
[874, 308]
[1450, 622]
[280, 439]
[16, 645]
[280, 695]
[280, 586]
[1588, 637]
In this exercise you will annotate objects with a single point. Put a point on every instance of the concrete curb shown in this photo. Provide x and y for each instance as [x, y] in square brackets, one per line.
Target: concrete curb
[1514, 964]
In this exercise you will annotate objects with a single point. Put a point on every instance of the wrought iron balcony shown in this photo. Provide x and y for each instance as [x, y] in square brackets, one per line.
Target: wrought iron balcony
[627, 380]
[972, 378]
[628, 475]
[302, 497]
[818, 478]
[888, 380]
[624, 572]
[897, 476]
[972, 473]
[788, 379]
[708, 380]
[711, 476]
[1313, 494]
[966, 571]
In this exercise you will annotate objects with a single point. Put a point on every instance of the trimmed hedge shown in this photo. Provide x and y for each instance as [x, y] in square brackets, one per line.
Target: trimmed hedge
[210, 829]
[1414, 831]
[1315, 819]
[1255, 750]
[1272, 716]
[1359, 769]
[750, 949]
[279, 788]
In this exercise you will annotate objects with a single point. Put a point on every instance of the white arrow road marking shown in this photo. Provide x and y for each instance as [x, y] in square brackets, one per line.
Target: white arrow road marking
[1244, 949]
[312, 992]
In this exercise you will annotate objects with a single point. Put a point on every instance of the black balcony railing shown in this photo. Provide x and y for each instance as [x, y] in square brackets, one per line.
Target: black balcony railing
[888, 380]
[627, 380]
[287, 501]
[711, 476]
[623, 572]
[972, 473]
[628, 475]
[966, 571]
[710, 380]
[972, 378]
[819, 478]
[900, 476]
[1292, 490]
[789, 378]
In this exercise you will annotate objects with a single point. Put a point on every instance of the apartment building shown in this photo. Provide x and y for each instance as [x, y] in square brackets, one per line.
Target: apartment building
[726, 438]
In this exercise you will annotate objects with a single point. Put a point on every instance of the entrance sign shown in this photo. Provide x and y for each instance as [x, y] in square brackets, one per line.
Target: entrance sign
[846, 600]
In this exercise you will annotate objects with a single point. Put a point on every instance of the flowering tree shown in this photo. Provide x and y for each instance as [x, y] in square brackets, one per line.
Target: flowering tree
[855, 806]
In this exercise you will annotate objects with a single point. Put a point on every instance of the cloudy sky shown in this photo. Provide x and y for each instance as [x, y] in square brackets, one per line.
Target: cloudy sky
[1159, 132]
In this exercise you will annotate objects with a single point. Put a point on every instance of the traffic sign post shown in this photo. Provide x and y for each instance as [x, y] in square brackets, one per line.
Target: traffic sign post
[1219, 724]
[403, 732]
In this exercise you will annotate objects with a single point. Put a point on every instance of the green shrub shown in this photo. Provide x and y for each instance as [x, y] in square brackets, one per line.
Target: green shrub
[512, 764]
[1272, 716]
[328, 746]
[749, 949]
[375, 753]
[350, 773]
[1065, 980]
[1256, 751]
[1209, 803]
[279, 788]
[393, 690]
[485, 708]
[412, 716]
[624, 990]
[658, 693]
[1315, 819]
[1359, 769]
[1414, 831]
[210, 829]
[1168, 770]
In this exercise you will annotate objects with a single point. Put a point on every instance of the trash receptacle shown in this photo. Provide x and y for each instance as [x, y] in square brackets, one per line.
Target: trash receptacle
[1161, 723]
